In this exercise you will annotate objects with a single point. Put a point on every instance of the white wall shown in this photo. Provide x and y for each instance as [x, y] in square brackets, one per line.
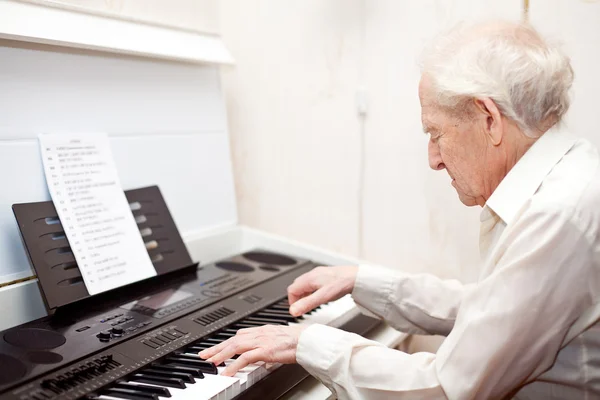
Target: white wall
[296, 135]
[166, 122]
[198, 15]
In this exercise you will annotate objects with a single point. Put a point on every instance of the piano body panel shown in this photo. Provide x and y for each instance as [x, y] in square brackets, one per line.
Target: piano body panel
[207, 247]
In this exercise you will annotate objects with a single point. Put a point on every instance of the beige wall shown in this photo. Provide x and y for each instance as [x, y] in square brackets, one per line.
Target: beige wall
[290, 103]
[296, 134]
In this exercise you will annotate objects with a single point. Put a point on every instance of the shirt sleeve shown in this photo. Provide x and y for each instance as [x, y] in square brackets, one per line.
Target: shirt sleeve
[412, 303]
[508, 329]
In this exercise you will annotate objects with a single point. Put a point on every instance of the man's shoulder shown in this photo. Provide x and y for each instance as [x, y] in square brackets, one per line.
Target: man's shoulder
[573, 183]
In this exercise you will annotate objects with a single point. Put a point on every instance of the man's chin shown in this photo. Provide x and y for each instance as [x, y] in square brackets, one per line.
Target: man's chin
[466, 200]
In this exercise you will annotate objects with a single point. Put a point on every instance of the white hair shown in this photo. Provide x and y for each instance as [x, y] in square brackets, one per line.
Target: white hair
[527, 78]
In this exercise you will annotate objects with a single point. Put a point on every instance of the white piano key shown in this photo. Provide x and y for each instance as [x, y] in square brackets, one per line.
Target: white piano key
[247, 376]
[212, 387]
[328, 313]
[250, 374]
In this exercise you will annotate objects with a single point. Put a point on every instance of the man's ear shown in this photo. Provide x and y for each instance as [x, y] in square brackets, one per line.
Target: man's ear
[493, 119]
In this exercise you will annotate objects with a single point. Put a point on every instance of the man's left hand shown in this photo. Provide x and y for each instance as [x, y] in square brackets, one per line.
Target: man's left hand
[269, 343]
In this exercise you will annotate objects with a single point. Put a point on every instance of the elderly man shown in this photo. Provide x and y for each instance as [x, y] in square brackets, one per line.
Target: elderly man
[492, 98]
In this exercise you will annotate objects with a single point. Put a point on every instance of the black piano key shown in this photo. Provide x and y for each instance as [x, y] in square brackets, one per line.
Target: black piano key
[187, 378]
[195, 372]
[230, 330]
[205, 367]
[211, 341]
[194, 357]
[159, 391]
[224, 335]
[276, 307]
[265, 320]
[129, 394]
[201, 343]
[243, 324]
[286, 317]
[155, 380]
[274, 311]
[197, 349]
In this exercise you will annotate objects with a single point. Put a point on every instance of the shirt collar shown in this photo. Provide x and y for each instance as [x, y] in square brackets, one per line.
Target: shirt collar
[524, 179]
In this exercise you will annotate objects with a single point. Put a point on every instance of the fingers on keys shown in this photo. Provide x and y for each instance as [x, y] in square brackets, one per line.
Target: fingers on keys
[244, 360]
[306, 292]
[301, 287]
[304, 305]
[243, 342]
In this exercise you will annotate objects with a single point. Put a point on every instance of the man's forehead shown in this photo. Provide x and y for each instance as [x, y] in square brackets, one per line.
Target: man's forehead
[426, 96]
[425, 86]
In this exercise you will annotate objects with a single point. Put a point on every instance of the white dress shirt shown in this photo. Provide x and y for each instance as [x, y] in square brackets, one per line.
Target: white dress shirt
[527, 329]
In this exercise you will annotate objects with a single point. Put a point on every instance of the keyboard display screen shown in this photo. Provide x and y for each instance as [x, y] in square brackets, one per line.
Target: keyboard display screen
[157, 301]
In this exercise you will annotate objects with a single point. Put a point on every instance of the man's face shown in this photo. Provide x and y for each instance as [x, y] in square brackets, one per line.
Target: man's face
[456, 145]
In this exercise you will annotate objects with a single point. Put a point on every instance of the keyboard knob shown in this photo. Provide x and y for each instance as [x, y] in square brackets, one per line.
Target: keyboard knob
[117, 331]
[104, 336]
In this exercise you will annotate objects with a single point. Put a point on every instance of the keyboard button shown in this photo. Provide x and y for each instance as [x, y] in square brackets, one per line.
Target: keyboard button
[156, 342]
[169, 336]
[162, 339]
[150, 344]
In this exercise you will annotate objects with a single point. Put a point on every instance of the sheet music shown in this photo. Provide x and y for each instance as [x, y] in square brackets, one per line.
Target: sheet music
[95, 214]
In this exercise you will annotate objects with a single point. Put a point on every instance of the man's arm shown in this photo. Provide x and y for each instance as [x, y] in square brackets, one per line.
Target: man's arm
[411, 303]
[507, 332]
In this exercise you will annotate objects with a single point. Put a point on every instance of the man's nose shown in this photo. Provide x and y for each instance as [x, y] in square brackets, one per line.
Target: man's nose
[435, 158]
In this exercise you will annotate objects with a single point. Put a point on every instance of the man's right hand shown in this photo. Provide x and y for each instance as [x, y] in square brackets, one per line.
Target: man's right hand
[319, 286]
